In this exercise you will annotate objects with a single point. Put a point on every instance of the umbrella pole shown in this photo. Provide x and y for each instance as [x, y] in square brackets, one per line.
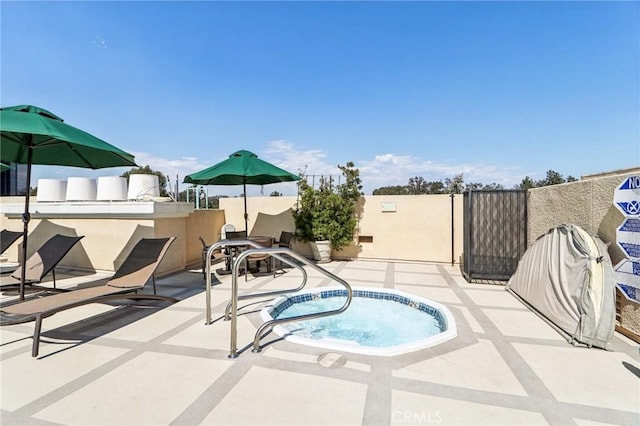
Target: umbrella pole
[25, 220]
[246, 216]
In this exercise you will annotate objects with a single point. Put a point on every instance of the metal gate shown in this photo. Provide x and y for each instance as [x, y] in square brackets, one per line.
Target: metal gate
[495, 233]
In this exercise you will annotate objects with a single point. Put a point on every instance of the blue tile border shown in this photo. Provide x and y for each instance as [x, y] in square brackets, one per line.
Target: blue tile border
[370, 294]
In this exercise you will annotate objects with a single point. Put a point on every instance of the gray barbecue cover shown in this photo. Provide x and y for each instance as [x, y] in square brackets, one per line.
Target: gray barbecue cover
[566, 275]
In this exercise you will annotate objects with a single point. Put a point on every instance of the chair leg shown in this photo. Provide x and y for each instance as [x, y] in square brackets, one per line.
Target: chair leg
[53, 272]
[153, 279]
[36, 337]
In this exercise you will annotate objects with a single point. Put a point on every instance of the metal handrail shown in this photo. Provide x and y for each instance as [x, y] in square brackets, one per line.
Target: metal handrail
[233, 352]
[235, 243]
[227, 310]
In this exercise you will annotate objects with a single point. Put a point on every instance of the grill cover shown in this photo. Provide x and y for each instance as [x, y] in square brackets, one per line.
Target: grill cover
[566, 275]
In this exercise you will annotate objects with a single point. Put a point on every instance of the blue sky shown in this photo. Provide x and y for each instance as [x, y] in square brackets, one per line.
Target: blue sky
[494, 90]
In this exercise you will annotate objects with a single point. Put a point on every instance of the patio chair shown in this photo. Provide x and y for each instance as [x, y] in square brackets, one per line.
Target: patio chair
[236, 235]
[285, 239]
[264, 242]
[7, 238]
[131, 277]
[43, 261]
[205, 249]
[227, 227]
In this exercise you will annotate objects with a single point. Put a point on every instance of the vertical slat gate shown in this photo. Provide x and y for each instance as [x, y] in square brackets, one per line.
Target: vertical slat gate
[495, 233]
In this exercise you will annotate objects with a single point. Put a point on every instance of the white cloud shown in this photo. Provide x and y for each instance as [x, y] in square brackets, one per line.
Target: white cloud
[386, 169]
[288, 156]
[99, 41]
[181, 166]
[390, 169]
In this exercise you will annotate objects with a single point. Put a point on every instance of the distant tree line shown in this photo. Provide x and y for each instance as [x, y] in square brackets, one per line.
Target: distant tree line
[552, 178]
[416, 185]
[456, 185]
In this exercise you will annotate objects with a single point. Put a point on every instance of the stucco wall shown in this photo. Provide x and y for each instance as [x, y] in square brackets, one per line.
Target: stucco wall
[108, 240]
[205, 224]
[419, 228]
[587, 203]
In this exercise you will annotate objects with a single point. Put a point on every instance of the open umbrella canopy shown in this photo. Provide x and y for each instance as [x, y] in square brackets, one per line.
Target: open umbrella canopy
[32, 135]
[53, 142]
[241, 168]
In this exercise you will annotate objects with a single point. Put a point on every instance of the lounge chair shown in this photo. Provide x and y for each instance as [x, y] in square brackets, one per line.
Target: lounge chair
[7, 238]
[131, 276]
[43, 261]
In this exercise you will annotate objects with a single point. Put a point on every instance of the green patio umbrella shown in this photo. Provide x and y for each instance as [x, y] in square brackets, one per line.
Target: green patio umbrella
[241, 168]
[32, 135]
[4, 167]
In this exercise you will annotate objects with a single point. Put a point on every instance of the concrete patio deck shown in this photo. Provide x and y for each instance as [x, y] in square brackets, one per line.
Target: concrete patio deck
[148, 366]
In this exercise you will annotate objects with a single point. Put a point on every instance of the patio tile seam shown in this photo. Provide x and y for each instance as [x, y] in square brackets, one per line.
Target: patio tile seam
[138, 348]
[378, 400]
[15, 352]
[13, 418]
[209, 399]
[390, 275]
[537, 341]
[539, 404]
[478, 396]
[187, 309]
[420, 285]
[206, 402]
[39, 404]
[503, 308]
[532, 384]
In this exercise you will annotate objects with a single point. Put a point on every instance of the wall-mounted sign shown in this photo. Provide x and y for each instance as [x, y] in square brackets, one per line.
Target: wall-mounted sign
[388, 207]
[628, 237]
[627, 197]
[627, 274]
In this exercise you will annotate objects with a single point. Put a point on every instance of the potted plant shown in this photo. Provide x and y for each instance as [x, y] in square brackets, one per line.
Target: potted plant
[326, 216]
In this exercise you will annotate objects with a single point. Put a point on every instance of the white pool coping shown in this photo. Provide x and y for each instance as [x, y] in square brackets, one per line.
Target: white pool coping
[334, 344]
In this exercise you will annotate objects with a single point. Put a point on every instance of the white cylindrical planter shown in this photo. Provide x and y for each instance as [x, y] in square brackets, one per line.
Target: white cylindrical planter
[111, 188]
[81, 189]
[51, 190]
[143, 186]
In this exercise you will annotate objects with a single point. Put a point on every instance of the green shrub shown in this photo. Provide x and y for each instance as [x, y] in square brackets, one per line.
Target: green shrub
[329, 212]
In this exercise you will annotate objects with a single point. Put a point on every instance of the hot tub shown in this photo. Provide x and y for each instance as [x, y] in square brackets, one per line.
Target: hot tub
[378, 322]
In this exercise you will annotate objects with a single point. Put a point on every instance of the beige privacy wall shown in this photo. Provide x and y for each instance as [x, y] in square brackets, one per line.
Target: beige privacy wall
[404, 227]
[587, 203]
[107, 240]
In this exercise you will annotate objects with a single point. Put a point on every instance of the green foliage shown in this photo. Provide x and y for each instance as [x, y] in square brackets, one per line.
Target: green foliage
[146, 170]
[391, 190]
[455, 185]
[417, 185]
[527, 183]
[492, 185]
[552, 178]
[275, 194]
[328, 213]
